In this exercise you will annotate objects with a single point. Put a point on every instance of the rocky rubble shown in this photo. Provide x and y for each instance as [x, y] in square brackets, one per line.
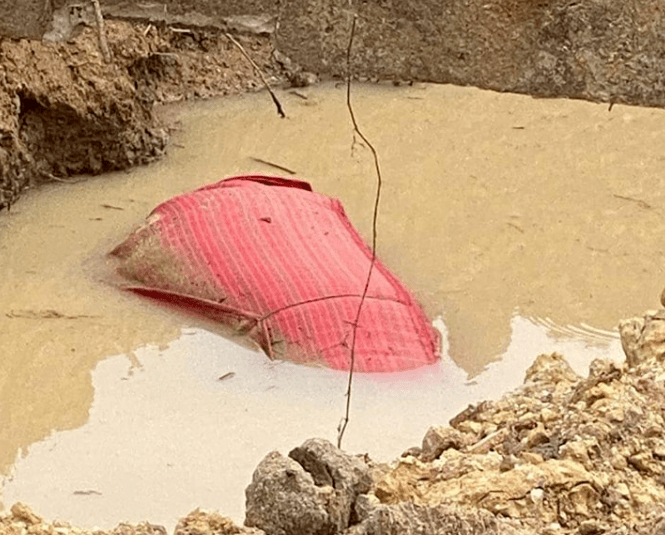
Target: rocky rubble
[22, 521]
[312, 491]
[560, 455]
[320, 490]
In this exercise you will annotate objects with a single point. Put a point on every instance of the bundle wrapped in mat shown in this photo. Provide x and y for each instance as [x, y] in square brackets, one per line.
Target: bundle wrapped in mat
[272, 258]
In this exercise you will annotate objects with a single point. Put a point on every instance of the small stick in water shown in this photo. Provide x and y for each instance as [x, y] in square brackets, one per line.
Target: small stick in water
[226, 376]
[280, 111]
[276, 166]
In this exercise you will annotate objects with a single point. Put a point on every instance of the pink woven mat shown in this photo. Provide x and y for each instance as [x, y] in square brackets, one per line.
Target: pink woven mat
[284, 264]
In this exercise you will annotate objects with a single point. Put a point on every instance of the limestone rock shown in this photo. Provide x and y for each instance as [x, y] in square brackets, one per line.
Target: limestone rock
[200, 522]
[410, 519]
[313, 494]
[330, 466]
[631, 330]
[643, 338]
[282, 498]
[439, 439]
[23, 513]
[551, 368]
[143, 528]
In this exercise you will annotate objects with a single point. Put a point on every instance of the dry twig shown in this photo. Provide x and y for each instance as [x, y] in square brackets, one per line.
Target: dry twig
[226, 376]
[642, 204]
[59, 179]
[181, 30]
[103, 45]
[280, 111]
[276, 166]
[48, 314]
[375, 214]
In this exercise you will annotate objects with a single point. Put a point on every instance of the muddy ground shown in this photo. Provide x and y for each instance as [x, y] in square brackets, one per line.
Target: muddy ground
[64, 111]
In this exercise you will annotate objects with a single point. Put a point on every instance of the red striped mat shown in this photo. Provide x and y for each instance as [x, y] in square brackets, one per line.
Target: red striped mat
[270, 257]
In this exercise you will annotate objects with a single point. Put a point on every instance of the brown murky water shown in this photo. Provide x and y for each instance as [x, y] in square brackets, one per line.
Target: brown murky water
[525, 225]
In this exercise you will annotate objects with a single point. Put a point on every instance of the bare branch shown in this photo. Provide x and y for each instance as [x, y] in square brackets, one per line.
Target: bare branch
[280, 111]
[103, 45]
[276, 166]
[342, 426]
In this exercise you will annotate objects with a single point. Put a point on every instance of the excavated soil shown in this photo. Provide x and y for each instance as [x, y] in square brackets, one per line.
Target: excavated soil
[64, 111]
[561, 454]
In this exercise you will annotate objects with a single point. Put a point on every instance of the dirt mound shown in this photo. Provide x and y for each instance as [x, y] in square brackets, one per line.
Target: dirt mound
[21, 519]
[562, 454]
[65, 111]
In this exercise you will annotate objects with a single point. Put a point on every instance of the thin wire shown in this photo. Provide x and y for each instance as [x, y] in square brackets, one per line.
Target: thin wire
[342, 427]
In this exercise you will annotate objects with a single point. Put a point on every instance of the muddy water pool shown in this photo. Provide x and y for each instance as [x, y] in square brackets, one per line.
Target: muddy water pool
[524, 226]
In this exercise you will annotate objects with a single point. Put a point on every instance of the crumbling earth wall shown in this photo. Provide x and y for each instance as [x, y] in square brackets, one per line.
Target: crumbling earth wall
[65, 111]
[24, 19]
[593, 49]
